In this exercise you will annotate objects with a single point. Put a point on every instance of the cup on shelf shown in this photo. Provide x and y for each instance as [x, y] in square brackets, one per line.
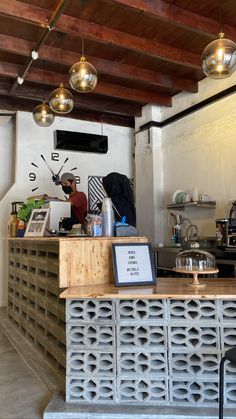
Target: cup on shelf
[193, 194]
[204, 197]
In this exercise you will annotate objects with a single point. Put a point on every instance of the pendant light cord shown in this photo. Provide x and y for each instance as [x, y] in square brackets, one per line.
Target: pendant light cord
[82, 28]
[221, 34]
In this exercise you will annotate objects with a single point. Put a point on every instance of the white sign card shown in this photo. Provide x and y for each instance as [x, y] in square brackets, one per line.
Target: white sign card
[133, 264]
[36, 227]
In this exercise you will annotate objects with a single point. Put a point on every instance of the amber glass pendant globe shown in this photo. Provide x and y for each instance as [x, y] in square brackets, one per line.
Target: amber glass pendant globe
[43, 115]
[83, 76]
[219, 58]
[61, 100]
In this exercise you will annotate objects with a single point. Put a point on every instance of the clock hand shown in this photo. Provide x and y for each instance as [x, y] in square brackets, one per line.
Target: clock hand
[47, 165]
[62, 166]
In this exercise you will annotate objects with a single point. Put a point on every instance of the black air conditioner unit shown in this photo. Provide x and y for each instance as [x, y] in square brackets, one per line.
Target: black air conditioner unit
[80, 141]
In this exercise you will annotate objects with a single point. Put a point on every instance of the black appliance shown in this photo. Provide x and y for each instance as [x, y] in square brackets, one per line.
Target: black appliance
[80, 141]
[226, 229]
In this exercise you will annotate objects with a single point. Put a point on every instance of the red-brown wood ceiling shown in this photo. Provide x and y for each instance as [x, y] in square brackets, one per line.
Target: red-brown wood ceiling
[144, 51]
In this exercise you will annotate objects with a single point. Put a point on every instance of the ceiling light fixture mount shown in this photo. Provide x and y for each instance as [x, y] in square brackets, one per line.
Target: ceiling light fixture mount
[219, 57]
[61, 100]
[83, 76]
[42, 114]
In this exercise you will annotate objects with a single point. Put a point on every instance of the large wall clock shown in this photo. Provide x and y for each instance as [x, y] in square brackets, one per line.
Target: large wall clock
[47, 163]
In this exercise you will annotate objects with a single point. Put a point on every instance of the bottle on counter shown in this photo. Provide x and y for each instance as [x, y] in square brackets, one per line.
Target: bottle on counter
[13, 221]
[107, 218]
[176, 237]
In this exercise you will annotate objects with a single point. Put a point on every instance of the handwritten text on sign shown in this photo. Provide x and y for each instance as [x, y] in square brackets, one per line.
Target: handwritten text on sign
[133, 264]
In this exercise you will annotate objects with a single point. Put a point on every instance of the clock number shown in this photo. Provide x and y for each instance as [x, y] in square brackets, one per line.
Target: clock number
[77, 179]
[32, 177]
[55, 156]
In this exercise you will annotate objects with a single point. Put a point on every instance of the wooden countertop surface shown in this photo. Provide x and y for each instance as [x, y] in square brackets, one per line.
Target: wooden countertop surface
[75, 238]
[172, 288]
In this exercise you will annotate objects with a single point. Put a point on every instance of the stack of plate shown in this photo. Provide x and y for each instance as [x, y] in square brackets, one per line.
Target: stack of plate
[180, 197]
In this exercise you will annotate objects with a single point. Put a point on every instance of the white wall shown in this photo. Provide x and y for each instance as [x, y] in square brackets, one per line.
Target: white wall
[195, 151]
[199, 151]
[29, 142]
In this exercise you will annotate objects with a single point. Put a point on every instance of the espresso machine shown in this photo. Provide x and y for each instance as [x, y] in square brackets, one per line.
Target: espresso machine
[226, 229]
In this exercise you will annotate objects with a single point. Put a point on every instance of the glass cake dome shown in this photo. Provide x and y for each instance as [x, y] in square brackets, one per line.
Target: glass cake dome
[195, 261]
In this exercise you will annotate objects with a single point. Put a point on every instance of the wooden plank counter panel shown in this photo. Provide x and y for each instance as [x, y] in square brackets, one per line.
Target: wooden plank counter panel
[89, 260]
[170, 288]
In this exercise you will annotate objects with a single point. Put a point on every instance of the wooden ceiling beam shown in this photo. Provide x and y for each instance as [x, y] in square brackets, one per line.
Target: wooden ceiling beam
[27, 105]
[108, 36]
[94, 103]
[178, 16]
[116, 91]
[37, 95]
[111, 68]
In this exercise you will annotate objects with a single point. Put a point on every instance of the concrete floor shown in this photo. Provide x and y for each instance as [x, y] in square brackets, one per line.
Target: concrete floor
[26, 381]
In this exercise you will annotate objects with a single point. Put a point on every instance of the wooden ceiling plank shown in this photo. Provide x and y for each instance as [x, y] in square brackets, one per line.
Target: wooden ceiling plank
[27, 105]
[126, 108]
[117, 91]
[25, 12]
[108, 36]
[111, 90]
[178, 16]
[111, 68]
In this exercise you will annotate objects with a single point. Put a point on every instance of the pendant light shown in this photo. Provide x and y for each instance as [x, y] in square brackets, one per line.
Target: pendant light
[83, 76]
[42, 114]
[61, 100]
[219, 57]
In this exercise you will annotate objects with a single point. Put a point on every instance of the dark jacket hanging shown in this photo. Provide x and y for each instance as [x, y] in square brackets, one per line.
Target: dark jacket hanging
[118, 188]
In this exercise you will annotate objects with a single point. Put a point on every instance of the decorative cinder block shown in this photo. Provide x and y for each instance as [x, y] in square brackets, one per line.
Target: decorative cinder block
[142, 335]
[141, 362]
[88, 363]
[35, 305]
[194, 337]
[142, 390]
[228, 336]
[90, 390]
[193, 392]
[89, 311]
[227, 311]
[230, 391]
[136, 311]
[194, 364]
[91, 336]
[192, 310]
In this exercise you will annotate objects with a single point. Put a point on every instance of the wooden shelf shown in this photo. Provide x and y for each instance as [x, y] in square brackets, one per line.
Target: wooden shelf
[195, 204]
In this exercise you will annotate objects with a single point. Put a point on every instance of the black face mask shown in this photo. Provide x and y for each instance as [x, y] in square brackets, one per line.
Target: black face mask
[67, 189]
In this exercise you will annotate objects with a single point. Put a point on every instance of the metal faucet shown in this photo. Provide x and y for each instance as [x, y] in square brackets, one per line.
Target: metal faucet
[194, 236]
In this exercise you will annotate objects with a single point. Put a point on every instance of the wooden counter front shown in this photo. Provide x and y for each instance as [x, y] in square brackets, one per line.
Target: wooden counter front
[81, 260]
[170, 288]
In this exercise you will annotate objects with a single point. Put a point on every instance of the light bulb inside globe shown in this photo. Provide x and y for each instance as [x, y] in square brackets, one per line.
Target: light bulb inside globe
[219, 58]
[61, 100]
[83, 76]
[43, 115]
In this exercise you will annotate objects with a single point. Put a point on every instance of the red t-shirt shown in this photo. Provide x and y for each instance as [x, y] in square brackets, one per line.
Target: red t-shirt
[79, 204]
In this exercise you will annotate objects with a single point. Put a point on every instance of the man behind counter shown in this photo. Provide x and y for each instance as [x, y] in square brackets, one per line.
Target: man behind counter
[78, 200]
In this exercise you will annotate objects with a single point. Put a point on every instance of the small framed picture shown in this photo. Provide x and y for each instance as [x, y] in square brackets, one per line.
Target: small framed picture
[133, 264]
[37, 224]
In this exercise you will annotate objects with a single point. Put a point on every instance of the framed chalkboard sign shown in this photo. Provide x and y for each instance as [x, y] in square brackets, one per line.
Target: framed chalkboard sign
[133, 264]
